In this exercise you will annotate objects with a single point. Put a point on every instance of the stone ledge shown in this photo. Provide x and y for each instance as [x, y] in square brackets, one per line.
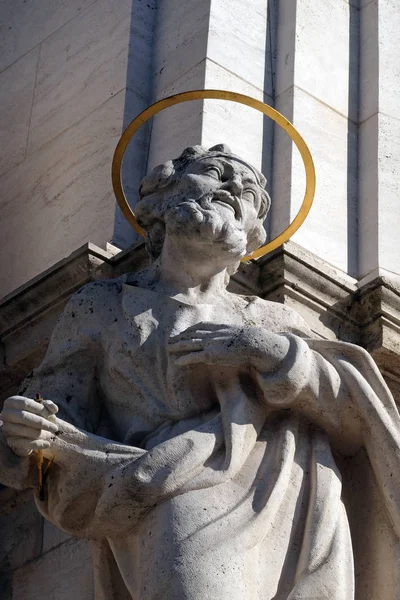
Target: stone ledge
[322, 294]
[29, 314]
[378, 307]
[336, 306]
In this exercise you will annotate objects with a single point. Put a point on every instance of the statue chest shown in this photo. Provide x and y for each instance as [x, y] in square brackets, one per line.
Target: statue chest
[141, 382]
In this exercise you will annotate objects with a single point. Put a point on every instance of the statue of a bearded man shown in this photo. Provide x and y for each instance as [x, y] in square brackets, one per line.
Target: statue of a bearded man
[195, 428]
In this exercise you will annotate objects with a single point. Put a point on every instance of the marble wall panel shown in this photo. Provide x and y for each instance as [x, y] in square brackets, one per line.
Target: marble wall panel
[379, 158]
[331, 227]
[16, 94]
[368, 195]
[240, 40]
[85, 63]
[60, 197]
[61, 574]
[317, 51]
[180, 40]
[203, 45]
[212, 122]
[369, 61]
[389, 62]
[24, 24]
[389, 192]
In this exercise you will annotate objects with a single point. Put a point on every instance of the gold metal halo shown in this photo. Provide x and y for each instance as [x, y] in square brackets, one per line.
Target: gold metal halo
[233, 97]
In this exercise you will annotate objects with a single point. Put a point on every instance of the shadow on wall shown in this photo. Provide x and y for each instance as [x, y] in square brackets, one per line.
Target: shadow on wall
[352, 142]
[138, 96]
[269, 88]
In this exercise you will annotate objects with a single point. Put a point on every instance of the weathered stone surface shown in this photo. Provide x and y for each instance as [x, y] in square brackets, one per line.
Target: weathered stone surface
[28, 316]
[60, 574]
[322, 294]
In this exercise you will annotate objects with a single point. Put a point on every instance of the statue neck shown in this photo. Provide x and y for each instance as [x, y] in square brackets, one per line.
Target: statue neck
[186, 271]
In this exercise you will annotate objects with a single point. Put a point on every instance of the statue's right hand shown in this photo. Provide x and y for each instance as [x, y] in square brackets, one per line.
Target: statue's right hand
[27, 424]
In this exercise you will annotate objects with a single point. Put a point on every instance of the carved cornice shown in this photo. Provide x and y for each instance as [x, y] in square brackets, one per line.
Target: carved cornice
[378, 308]
[337, 306]
[28, 315]
[320, 292]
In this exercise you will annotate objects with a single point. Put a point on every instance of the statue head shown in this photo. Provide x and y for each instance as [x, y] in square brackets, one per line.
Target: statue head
[209, 196]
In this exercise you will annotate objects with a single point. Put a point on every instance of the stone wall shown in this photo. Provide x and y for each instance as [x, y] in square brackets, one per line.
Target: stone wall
[72, 73]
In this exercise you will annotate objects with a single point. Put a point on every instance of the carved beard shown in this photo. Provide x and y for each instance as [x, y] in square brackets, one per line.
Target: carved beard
[207, 221]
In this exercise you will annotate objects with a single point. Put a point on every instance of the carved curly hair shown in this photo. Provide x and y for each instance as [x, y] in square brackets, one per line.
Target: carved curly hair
[150, 208]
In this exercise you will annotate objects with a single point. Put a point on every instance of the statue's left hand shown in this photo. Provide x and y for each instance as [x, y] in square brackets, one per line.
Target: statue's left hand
[229, 345]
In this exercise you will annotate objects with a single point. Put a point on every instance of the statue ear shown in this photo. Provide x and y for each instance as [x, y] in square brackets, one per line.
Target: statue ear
[221, 148]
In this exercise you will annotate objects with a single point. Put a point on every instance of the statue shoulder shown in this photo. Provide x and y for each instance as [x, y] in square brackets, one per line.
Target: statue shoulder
[95, 301]
[277, 317]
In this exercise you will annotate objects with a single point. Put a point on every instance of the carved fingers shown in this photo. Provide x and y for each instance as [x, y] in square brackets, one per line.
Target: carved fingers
[27, 424]
[211, 343]
[229, 345]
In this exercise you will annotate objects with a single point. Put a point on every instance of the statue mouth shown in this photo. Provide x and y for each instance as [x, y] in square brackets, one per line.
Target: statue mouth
[224, 197]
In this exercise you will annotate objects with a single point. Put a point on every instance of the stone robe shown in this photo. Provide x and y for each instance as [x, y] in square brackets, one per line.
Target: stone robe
[204, 481]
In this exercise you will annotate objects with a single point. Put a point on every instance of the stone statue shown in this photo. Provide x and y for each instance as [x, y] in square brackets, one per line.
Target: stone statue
[196, 429]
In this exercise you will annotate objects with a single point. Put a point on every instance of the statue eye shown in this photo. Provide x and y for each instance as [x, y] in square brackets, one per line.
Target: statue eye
[214, 172]
[249, 194]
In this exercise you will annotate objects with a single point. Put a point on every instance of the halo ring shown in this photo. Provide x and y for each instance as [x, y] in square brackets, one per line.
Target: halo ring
[232, 97]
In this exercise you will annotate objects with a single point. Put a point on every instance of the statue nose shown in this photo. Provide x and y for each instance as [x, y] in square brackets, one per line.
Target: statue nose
[234, 186]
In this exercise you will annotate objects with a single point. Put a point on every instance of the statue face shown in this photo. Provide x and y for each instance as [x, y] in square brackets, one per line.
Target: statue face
[216, 199]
